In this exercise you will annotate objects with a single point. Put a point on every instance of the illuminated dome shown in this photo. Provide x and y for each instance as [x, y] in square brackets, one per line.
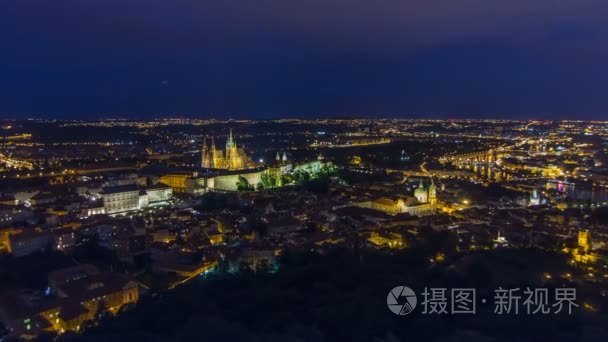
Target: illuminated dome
[421, 193]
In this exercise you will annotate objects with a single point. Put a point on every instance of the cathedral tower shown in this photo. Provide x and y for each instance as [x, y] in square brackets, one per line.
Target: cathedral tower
[206, 158]
[230, 141]
[232, 155]
[215, 155]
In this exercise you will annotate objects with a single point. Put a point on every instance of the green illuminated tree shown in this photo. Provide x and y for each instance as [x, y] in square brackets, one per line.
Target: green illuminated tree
[300, 177]
[242, 184]
[286, 179]
[269, 180]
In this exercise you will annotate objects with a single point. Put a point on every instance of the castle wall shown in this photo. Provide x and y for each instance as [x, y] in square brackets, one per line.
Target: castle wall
[228, 182]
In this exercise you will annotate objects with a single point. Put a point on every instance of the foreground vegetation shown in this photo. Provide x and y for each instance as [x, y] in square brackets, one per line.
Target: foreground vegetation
[341, 296]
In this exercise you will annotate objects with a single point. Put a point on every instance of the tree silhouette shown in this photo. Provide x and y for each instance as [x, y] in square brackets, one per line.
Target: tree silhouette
[242, 184]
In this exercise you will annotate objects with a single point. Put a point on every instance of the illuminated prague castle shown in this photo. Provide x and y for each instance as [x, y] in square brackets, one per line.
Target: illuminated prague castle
[232, 158]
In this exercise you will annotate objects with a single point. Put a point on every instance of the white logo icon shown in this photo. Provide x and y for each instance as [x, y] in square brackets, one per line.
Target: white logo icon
[401, 300]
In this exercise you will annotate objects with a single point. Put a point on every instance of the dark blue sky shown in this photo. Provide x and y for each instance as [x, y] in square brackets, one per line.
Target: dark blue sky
[272, 58]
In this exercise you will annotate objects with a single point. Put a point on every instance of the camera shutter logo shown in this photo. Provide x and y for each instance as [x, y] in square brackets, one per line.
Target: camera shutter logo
[401, 300]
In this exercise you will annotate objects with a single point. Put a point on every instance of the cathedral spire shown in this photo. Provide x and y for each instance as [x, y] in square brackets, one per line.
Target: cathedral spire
[214, 159]
[230, 141]
[204, 153]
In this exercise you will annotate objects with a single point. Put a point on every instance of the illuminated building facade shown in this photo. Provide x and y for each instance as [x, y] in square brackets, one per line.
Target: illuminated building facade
[583, 253]
[177, 181]
[424, 195]
[232, 158]
[399, 206]
[387, 239]
[126, 198]
[423, 203]
[121, 198]
[5, 233]
[75, 296]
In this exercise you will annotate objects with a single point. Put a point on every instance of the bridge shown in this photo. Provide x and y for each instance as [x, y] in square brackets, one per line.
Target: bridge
[483, 157]
[486, 157]
[436, 173]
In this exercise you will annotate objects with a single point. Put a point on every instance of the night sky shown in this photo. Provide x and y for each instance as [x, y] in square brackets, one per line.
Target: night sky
[307, 58]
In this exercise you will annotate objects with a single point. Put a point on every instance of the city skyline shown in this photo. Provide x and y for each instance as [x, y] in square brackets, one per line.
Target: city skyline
[107, 223]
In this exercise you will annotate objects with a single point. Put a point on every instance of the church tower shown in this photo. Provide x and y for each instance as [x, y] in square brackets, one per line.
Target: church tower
[214, 155]
[230, 142]
[234, 158]
[206, 158]
[584, 241]
[432, 193]
[231, 153]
